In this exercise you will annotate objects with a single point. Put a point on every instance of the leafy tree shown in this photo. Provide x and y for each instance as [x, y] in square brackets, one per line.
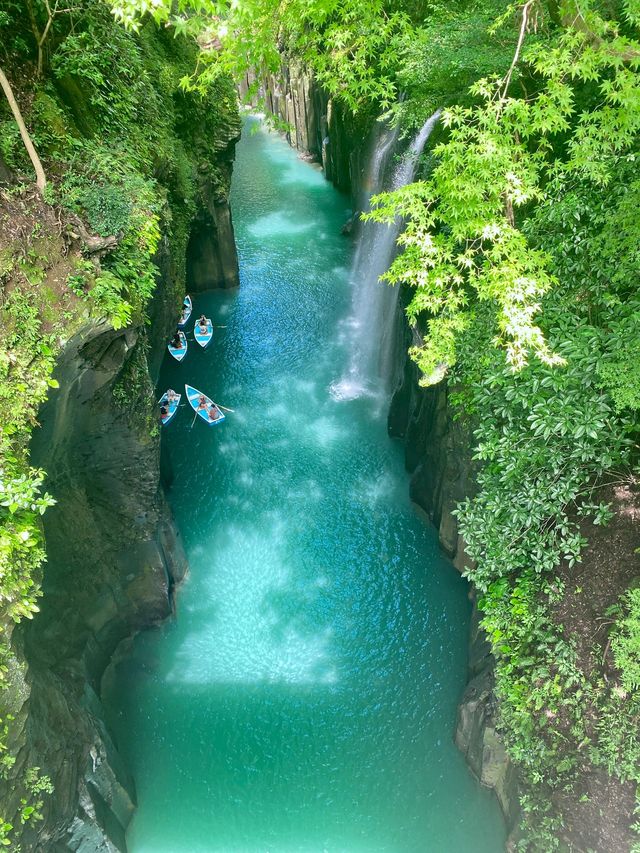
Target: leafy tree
[463, 243]
[353, 46]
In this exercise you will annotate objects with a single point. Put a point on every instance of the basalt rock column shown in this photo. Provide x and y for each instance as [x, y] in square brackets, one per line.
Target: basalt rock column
[212, 261]
[114, 557]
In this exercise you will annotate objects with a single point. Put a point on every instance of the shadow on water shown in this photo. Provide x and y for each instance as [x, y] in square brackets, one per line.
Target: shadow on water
[304, 698]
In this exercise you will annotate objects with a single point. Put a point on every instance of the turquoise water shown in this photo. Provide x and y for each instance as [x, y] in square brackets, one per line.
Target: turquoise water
[303, 699]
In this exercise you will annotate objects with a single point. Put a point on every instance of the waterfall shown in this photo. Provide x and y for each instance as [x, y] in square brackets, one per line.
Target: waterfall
[372, 318]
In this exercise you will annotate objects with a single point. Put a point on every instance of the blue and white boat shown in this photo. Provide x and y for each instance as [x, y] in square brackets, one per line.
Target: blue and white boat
[202, 406]
[171, 405]
[187, 308]
[179, 352]
[203, 338]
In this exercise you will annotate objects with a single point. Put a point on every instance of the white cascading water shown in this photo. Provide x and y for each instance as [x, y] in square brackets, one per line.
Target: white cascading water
[373, 312]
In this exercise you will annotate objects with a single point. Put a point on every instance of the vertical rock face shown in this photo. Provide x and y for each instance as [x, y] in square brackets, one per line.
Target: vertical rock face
[298, 101]
[476, 734]
[438, 456]
[317, 126]
[114, 557]
[212, 259]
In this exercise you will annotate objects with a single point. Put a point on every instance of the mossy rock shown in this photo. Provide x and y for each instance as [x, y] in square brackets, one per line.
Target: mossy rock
[75, 99]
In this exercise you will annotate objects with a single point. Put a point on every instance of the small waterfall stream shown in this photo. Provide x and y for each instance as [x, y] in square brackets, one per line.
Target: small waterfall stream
[373, 312]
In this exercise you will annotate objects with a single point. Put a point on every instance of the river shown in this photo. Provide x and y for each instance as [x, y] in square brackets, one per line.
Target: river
[303, 700]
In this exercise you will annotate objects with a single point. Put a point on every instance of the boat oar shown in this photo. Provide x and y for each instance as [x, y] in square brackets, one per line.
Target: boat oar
[194, 420]
[226, 408]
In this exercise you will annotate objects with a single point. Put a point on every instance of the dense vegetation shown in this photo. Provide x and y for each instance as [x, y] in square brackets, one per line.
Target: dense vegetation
[521, 253]
[125, 152]
[521, 250]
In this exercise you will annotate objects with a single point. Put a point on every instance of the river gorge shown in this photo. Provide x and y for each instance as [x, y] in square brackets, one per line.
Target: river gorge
[303, 698]
[390, 604]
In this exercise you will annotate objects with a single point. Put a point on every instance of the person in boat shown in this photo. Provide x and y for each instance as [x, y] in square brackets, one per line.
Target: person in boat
[204, 325]
[164, 412]
[214, 412]
[176, 341]
[185, 314]
[202, 403]
[171, 396]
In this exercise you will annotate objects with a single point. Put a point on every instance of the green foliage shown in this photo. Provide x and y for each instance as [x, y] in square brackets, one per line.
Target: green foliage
[354, 47]
[35, 785]
[10, 143]
[26, 363]
[547, 436]
[523, 233]
[447, 52]
[52, 135]
[27, 358]
[106, 207]
[116, 200]
[592, 240]
[511, 239]
[626, 641]
[618, 744]
[462, 243]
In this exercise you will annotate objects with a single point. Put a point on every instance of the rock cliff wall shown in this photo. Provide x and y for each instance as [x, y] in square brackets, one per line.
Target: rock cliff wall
[316, 125]
[438, 458]
[114, 558]
[212, 259]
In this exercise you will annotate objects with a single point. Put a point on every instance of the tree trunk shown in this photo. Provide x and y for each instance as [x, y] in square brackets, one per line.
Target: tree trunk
[41, 179]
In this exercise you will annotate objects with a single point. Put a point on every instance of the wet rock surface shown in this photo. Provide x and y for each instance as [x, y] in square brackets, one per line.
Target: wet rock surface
[438, 457]
[114, 558]
[212, 259]
[476, 735]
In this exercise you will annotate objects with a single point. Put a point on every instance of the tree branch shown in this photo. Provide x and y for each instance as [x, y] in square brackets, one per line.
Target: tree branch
[516, 56]
[45, 32]
[41, 179]
[572, 18]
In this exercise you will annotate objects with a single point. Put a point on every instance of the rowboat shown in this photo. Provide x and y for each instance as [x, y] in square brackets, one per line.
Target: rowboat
[171, 406]
[187, 308]
[179, 352]
[194, 397]
[203, 338]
